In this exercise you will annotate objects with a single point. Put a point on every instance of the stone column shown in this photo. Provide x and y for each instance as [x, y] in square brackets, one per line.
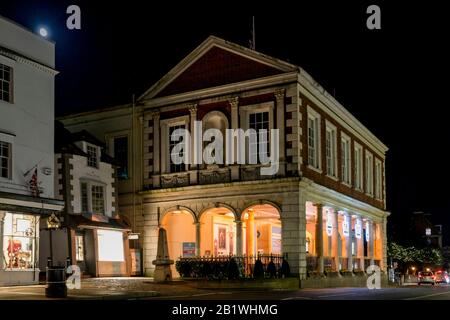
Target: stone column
[349, 241]
[279, 95]
[319, 238]
[360, 244]
[197, 238]
[335, 240]
[371, 242]
[239, 247]
[193, 168]
[250, 232]
[2, 221]
[234, 103]
[156, 150]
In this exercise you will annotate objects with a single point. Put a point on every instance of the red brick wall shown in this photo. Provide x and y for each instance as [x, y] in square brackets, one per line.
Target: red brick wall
[322, 178]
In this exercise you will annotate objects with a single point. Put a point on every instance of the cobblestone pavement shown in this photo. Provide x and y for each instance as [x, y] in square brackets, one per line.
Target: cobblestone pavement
[103, 288]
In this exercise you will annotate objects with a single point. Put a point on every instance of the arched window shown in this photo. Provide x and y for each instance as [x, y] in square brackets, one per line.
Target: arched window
[215, 120]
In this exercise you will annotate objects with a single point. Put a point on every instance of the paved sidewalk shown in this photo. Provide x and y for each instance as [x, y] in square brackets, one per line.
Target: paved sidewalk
[95, 288]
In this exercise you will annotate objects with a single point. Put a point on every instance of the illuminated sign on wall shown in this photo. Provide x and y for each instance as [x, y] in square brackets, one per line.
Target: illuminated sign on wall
[358, 229]
[329, 225]
[346, 226]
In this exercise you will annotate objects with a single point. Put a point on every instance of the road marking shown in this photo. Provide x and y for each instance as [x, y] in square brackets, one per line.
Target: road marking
[297, 298]
[428, 295]
[337, 295]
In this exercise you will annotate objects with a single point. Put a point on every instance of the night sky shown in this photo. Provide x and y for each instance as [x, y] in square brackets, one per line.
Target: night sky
[394, 80]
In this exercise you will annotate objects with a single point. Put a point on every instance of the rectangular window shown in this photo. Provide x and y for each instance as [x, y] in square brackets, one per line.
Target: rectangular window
[331, 150]
[313, 140]
[84, 197]
[19, 241]
[79, 247]
[358, 167]
[121, 156]
[259, 121]
[378, 180]
[5, 83]
[98, 201]
[92, 153]
[178, 137]
[369, 173]
[345, 160]
[5, 160]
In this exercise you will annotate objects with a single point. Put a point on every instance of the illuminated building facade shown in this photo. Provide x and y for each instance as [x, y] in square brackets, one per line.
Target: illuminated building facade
[324, 209]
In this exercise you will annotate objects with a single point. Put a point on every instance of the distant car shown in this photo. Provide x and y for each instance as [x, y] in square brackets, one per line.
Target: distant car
[426, 277]
[442, 277]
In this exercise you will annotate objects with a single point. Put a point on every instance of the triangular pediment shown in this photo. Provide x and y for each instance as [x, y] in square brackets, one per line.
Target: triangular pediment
[215, 63]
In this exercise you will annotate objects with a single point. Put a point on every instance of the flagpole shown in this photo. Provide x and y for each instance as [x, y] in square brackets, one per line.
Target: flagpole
[253, 34]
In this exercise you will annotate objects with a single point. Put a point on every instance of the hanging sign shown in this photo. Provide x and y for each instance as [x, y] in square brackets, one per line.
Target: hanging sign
[329, 225]
[346, 226]
[53, 222]
[358, 229]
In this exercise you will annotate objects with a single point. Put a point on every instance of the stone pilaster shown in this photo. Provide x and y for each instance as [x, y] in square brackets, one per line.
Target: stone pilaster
[193, 168]
[234, 104]
[150, 245]
[279, 96]
[156, 150]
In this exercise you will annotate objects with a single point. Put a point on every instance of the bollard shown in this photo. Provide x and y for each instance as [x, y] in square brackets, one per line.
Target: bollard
[56, 282]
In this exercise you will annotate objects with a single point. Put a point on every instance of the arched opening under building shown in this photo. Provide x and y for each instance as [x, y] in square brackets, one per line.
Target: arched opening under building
[217, 232]
[261, 230]
[180, 228]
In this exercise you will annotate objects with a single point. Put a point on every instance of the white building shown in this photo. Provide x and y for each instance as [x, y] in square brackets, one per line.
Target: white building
[27, 72]
[92, 235]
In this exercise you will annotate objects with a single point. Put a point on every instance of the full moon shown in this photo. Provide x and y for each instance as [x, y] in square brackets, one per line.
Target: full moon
[43, 32]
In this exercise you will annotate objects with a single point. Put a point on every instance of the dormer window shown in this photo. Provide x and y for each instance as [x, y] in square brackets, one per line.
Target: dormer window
[93, 156]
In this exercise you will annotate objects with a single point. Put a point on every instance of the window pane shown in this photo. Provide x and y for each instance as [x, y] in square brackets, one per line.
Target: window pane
[92, 156]
[84, 197]
[98, 202]
[175, 167]
[121, 155]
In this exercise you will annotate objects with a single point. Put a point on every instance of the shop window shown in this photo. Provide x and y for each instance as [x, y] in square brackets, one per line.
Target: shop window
[19, 241]
[110, 245]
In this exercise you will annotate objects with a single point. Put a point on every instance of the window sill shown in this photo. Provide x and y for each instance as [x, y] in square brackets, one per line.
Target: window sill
[21, 270]
[314, 169]
[333, 177]
[346, 184]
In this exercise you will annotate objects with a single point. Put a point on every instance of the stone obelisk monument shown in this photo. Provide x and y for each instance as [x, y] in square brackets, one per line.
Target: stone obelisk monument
[162, 262]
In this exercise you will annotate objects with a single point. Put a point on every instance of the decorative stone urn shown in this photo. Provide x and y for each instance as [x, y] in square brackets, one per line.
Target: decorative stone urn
[162, 262]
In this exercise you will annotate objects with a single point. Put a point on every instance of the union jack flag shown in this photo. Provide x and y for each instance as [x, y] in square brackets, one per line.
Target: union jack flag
[34, 184]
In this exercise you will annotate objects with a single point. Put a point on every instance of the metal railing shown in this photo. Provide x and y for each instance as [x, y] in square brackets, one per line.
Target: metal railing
[246, 263]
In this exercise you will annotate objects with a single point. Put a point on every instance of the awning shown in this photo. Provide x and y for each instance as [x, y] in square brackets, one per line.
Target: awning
[81, 222]
[27, 204]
